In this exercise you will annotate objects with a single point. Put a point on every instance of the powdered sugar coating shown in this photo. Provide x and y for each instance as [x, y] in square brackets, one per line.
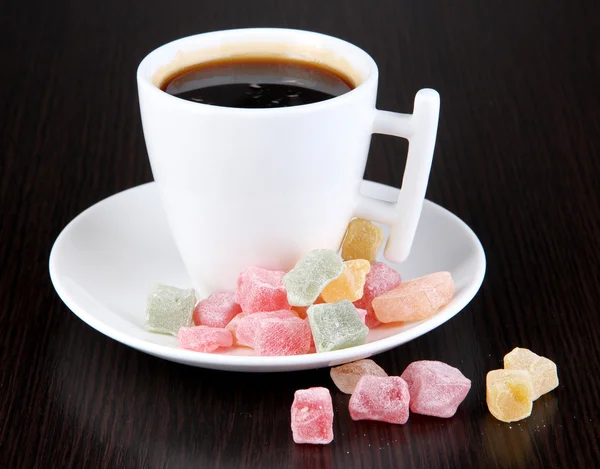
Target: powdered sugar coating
[204, 338]
[542, 370]
[362, 240]
[249, 324]
[169, 308]
[336, 326]
[509, 394]
[278, 337]
[310, 275]
[362, 314]
[347, 376]
[436, 389]
[217, 310]
[380, 280]
[416, 299]
[378, 398]
[312, 416]
[260, 290]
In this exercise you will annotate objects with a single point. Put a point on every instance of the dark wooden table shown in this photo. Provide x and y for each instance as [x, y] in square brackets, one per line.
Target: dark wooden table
[517, 158]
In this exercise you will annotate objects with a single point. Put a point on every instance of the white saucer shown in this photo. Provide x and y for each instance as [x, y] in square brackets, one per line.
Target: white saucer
[105, 261]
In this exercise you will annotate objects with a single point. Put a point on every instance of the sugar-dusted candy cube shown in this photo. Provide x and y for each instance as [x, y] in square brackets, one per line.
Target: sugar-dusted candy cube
[248, 326]
[276, 337]
[169, 309]
[260, 290]
[509, 394]
[436, 389]
[204, 338]
[349, 285]
[416, 299]
[347, 376]
[217, 310]
[362, 240]
[380, 398]
[310, 275]
[336, 326]
[380, 280]
[312, 416]
[542, 370]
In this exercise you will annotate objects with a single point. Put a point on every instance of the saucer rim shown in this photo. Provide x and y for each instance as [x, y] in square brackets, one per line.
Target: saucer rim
[250, 363]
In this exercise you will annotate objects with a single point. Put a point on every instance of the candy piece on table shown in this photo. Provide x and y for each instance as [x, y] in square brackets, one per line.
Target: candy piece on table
[310, 275]
[278, 337]
[436, 389]
[260, 290]
[380, 280]
[248, 326]
[542, 370]
[312, 416]
[204, 338]
[362, 240]
[349, 285]
[217, 310]
[509, 394]
[336, 326]
[169, 309]
[416, 299]
[347, 376]
[380, 398]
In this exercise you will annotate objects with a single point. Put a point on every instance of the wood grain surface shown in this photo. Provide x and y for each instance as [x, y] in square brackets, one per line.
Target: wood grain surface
[517, 158]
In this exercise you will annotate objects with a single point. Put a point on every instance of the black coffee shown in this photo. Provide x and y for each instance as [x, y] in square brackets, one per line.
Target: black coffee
[247, 82]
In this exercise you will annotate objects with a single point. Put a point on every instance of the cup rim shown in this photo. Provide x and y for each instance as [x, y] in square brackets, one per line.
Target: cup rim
[144, 75]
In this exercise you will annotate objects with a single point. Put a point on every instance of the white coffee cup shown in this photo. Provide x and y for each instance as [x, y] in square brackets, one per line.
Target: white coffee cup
[261, 187]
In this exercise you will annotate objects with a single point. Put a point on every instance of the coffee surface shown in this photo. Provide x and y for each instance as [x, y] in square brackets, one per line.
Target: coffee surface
[247, 82]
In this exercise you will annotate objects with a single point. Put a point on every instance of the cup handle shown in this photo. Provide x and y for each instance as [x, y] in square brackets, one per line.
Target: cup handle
[402, 217]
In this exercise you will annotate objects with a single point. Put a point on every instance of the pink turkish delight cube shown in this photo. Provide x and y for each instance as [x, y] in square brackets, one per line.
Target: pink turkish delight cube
[312, 416]
[435, 388]
[204, 338]
[249, 324]
[217, 310]
[380, 280]
[276, 337]
[260, 290]
[380, 398]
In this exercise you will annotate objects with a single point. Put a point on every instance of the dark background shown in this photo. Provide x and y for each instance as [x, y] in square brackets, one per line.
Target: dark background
[517, 158]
